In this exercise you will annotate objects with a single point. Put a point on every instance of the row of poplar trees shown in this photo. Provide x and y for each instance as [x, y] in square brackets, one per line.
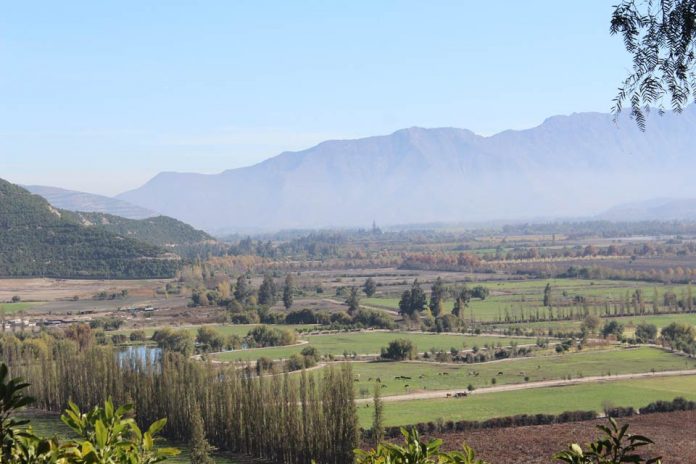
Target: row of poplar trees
[292, 418]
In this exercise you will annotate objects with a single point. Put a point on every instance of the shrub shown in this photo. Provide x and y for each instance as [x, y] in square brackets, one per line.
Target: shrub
[137, 336]
[270, 336]
[399, 350]
[302, 316]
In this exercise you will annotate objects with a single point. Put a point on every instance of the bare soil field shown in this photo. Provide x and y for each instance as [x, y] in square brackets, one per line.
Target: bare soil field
[674, 435]
[63, 289]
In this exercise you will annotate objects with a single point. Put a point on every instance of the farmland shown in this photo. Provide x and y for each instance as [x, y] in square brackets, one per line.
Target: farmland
[554, 400]
[526, 340]
[420, 376]
[370, 343]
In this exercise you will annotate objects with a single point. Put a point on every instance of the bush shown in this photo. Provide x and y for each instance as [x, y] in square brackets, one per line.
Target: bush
[137, 336]
[119, 339]
[302, 316]
[270, 336]
[249, 317]
[646, 333]
[612, 328]
[399, 350]
[376, 319]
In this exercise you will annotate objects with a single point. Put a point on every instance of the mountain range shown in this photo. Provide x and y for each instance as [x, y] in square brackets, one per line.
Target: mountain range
[568, 166]
[657, 209]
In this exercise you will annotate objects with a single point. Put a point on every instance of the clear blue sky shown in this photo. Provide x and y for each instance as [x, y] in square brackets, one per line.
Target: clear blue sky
[101, 95]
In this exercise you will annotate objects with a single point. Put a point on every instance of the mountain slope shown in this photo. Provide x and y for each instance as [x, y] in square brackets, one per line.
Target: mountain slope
[657, 209]
[567, 166]
[37, 239]
[158, 231]
[80, 201]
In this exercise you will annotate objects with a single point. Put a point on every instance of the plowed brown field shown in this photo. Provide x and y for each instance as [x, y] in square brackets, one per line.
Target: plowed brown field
[674, 435]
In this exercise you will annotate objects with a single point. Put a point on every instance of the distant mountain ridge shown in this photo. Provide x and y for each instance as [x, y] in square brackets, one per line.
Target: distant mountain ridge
[657, 209]
[72, 200]
[572, 165]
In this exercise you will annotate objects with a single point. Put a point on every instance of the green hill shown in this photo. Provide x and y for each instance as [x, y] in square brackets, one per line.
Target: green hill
[160, 231]
[39, 240]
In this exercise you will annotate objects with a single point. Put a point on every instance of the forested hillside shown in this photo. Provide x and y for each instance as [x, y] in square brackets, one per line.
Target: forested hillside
[39, 240]
[160, 230]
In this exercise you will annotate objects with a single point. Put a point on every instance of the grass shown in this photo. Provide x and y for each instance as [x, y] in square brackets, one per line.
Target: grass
[13, 308]
[551, 400]
[364, 343]
[528, 294]
[629, 322]
[241, 330]
[434, 376]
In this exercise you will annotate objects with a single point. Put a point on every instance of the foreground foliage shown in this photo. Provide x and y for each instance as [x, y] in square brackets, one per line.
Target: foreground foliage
[416, 451]
[105, 434]
[616, 446]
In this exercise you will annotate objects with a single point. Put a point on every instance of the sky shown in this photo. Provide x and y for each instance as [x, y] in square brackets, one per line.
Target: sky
[101, 96]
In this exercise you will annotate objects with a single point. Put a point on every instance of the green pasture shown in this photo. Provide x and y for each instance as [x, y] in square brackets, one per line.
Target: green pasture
[550, 400]
[241, 330]
[629, 322]
[428, 376]
[364, 343]
[528, 295]
[13, 308]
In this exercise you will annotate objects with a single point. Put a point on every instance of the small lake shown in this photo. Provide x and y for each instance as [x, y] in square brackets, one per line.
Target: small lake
[140, 354]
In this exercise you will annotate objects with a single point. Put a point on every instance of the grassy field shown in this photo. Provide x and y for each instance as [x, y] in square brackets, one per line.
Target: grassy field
[528, 294]
[370, 343]
[13, 308]
[629, 322]
[552, 400]
[433, 376]
[240, 330]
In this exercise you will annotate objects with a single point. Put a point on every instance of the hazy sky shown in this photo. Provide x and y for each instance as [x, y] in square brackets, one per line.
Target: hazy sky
[101, 95]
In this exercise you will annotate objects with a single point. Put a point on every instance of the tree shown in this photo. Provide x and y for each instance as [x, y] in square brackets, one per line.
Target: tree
[399, 349]
[378, 415]
[412, 301]
[242, 290]
[288, 292]
[210, 339]
[461, 302]
[590, 324]
[480, 292]
[267, 291]
[199, 446]
[353, 301]
[661, 36]
[612, 328]
[646, 333]
[547, 295]
[679, 336]
[437, 295]
[370, 287]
